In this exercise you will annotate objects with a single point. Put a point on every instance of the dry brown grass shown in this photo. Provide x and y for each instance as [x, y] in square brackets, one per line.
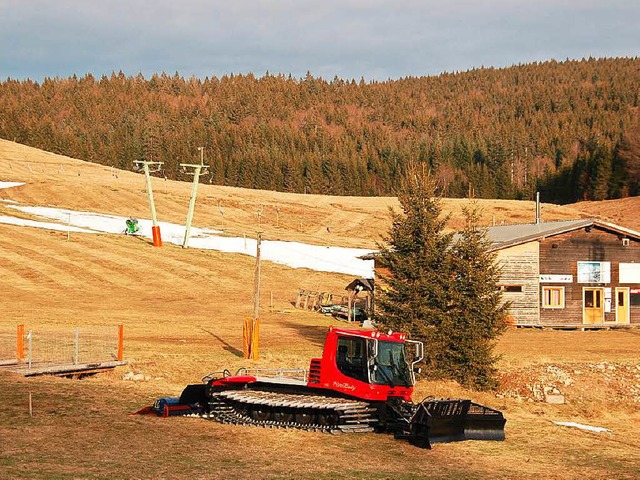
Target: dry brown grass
[327, 220]
[183, 310]
[623, 212]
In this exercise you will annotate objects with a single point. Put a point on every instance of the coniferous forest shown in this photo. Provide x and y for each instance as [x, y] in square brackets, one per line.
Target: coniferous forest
[569, 129]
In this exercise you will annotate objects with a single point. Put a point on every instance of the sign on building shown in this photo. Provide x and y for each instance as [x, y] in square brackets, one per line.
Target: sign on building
[630, 273]
[550, 278]
[594, 272]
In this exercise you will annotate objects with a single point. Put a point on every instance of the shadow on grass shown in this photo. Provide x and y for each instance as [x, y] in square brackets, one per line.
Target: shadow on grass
[313, 333]
[228, 347]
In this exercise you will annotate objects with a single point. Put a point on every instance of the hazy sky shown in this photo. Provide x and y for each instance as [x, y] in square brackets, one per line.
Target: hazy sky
[374, 39]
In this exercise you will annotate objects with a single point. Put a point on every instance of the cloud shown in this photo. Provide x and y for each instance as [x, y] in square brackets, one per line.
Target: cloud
[352, 38]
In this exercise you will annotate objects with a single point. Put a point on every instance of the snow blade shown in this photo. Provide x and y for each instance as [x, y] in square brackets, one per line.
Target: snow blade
[453, 421]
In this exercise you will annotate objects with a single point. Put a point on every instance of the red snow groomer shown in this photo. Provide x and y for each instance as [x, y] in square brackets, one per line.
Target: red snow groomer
[363, 382]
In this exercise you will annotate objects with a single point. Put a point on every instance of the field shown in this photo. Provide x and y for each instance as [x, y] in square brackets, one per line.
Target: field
[182, 310]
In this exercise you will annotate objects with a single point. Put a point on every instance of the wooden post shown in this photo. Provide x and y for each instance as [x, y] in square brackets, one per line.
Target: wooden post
[30, 405]
[121, 342]
[256, 280]
[20, 343]
[197, 170]
[299, 298]
[255, 329]
[155, 228]
[251, 327]
[192, 206]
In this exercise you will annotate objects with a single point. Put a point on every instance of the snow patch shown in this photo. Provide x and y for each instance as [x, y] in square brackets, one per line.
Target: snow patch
[10, 184]
[583, 427]
[46, 225]
[291, 254]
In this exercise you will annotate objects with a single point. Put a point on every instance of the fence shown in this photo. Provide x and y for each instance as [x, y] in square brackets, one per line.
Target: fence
[343, 307]
[72, 347]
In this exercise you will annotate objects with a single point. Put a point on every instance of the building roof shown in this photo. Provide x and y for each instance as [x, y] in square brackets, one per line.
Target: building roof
[361, 284]
[504, 236]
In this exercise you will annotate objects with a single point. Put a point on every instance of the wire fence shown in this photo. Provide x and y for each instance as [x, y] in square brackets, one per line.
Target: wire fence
[69, 347]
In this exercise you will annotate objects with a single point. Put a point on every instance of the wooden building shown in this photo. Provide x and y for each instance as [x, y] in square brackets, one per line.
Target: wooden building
[572, 273]
[569, 273]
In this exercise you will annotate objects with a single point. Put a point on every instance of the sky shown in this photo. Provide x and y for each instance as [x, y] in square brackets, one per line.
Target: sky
[292, 254]
[370, 39]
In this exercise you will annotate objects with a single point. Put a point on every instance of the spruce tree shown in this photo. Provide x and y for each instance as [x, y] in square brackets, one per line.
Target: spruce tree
[415, 292]
[439, 289]
[476, 314]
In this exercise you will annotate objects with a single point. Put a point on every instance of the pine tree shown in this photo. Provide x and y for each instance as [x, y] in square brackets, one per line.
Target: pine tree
[476, 313]
[415, 292]
[439, 289]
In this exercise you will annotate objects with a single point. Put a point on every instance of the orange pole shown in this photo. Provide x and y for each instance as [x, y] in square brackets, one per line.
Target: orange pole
[20, 343]
[157, 239]
[255, 335]
[121, 342]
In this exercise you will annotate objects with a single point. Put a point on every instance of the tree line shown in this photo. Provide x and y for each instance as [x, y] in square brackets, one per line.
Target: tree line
[569, 129]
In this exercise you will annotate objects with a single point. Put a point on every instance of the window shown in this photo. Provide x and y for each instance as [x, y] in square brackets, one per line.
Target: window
[552, 297]
[594, 272]
[592, 298]
[511, 288]
[391, 367]
[351, 357]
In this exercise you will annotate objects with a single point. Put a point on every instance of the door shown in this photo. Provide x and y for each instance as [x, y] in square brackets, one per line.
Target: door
[593, 305]
[622, 304]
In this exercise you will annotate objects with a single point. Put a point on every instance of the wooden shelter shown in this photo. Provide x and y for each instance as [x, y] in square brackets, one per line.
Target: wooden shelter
[356, 287]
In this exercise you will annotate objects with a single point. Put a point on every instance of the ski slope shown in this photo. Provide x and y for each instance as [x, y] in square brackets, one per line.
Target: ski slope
[292, 254]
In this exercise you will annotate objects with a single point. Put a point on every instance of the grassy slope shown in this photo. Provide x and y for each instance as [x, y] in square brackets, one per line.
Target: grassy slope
[182, 311]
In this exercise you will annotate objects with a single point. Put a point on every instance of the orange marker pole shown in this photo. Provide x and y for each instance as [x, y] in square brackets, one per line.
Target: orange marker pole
[155, 229]
[120, 342]
[157, 239]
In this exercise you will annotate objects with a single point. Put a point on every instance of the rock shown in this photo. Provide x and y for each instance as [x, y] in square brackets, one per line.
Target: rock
[554, 399]
[136, 377]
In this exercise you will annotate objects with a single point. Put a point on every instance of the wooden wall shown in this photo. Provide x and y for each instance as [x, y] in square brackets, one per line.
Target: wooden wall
[560, 255]
[519, 267]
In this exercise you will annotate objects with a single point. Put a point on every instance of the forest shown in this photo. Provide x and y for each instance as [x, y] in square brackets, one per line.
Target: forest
[568, 129]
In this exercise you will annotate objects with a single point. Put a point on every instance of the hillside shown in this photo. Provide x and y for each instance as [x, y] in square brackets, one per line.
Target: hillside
[563, 127]
[60, 181]
[182, 312]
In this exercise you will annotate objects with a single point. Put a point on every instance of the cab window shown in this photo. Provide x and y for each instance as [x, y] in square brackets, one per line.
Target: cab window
[351, 357]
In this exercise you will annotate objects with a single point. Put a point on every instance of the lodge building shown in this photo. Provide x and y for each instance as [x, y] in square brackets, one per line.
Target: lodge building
[569, 273]
[572, 273]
